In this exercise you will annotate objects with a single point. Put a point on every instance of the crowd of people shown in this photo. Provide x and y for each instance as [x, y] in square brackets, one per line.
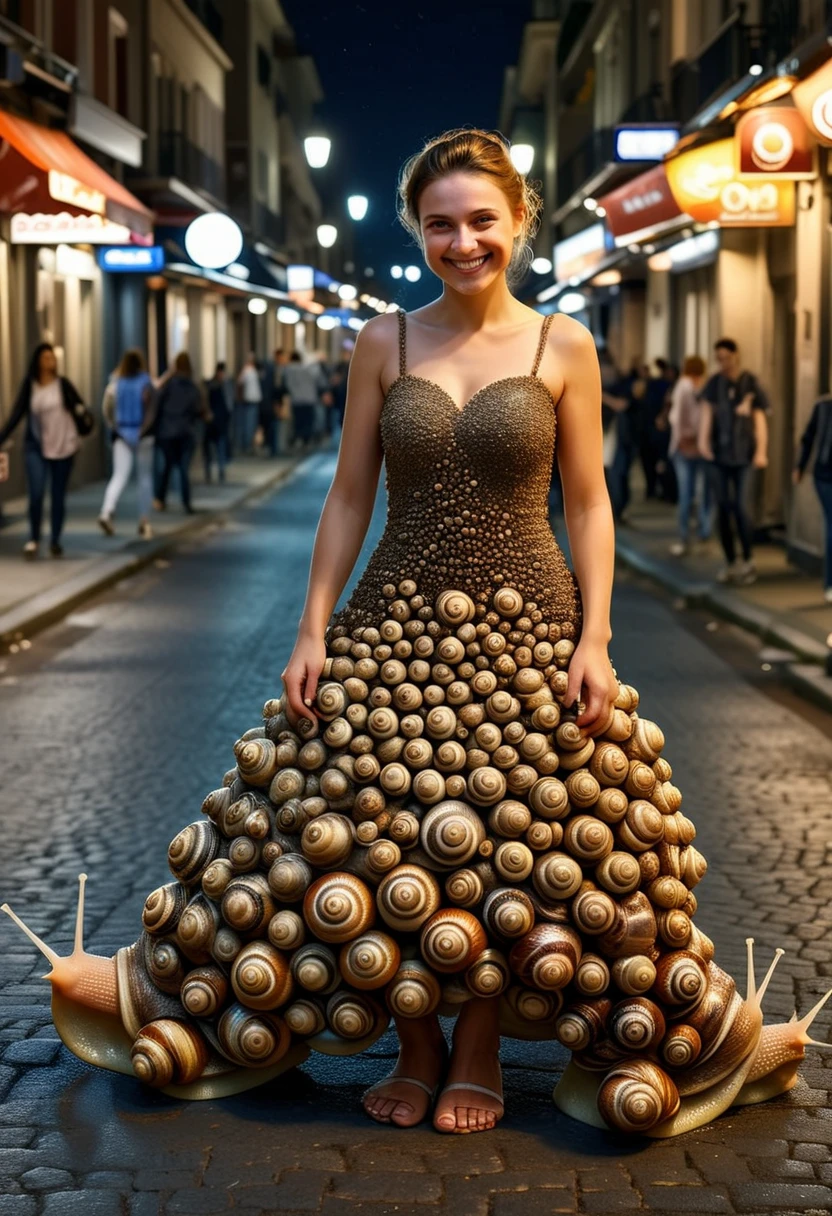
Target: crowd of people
[272, 407]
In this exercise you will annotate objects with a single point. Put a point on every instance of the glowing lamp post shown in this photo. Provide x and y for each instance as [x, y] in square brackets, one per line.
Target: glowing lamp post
[317, 149]
[327, 235]
[357, 206]
[213, 240]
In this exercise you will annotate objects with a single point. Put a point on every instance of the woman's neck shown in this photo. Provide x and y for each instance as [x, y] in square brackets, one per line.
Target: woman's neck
[45, 378]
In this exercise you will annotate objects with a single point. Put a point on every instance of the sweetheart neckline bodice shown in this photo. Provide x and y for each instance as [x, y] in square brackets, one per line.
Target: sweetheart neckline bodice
[478, 393]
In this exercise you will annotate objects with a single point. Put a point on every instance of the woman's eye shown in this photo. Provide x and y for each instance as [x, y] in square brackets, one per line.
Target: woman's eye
[487, 219]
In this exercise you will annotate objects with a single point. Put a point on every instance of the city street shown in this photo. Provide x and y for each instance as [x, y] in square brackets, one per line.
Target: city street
[121, 718]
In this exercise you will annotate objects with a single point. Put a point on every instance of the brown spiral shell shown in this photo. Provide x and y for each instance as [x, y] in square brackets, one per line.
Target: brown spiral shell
[681, 979]
[407, 897]
[289, 877]
[582, 1024]
[592, 975]
[256, 760]
[592, 910]
[260, 976]
[451, 940]
[513, 860]
[196, 929]
[681, 1046]
[370, 961]
[327, 840]
[637, 1024]
[304, 1017]
[166, 1052]
[634, 930]
[636, 1096]
[338, 907]
[252, 1039]
[587, 838]
[205, 991]
[451, 832]
[192, 850]
[546, 957]
[556, 875]
[315, 968]
[163, 962]
[247, 903]
[549, 799]
[634, 975]
[286, 930]
[163, 907]
[351, 1015]
[619, 873]
[508, 912]
[414, 991]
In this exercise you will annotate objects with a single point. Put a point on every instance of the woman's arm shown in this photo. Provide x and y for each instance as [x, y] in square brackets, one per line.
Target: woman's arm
[108, 405]
[589, 521]
[347, 510]
[761, 438]
[18, 410]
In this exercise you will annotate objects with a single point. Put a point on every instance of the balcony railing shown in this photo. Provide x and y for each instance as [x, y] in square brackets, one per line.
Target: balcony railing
[178, 157]
[587, 159]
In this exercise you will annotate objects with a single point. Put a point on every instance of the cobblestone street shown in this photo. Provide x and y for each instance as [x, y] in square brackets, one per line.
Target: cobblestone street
[120, 719]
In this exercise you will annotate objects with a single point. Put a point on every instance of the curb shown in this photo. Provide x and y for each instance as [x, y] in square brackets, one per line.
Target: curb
[36, 613]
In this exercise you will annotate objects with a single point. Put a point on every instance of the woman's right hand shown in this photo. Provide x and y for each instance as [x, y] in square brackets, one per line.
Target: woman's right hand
[300, 676]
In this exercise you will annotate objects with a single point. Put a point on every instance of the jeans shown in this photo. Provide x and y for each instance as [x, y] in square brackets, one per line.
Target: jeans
[218, 444]
[730, 485]
[123, 456]
[176, 453]
[38, 468]
[246, 414]
[619, 477]
[824, 491]
[304, 419]
[692, 476]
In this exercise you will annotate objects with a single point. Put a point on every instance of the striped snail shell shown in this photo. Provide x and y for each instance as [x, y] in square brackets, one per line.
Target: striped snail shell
[587, 838]
[414, 991]
[666, 892]
[166, 1052]
[313, 754]
[508, 912]
[163, 907]
[486, 785]
[593, 910]
[635, 928]
[646, 741]
[395, 778]
[370, 961]
[216, 802]
[648, 864]
[582, 1024]
[226, 945]
[331, 700]
[548, 798]
[289, 877]
[429, 786]
[304, 1017]
[205, 991]
[582, 788]
[287, 783]
[451, 939]
[641, 827]
[291, 817]
[678, 829]
[508, 602]
[592, 975]
[243, 855]
[634, 975]
[451, 832]
[338, 733]
[441, 722]
[627, 698]
[454, 608]
[557, 875]
[611, 805]
[197, 927]
[621, 726]
[502, 707]
[619, 873]
[513, 860]
[681, 979]
[674, 927]
[286, 930]
[247, 903]
[374, 861]
[465, 888]
[260, 976]
[256, 760]
[489, 974]
[192, 850]
[163, 963]
[692, 866]
[609, 764]
[252, 1039]
[352, 1015]
[328, 840]
[315, 968]
[681, 1046]
[546, 957]
[404, 828]
[637, 1095]
[338, 907]
[542, 836]
[637, 1024]
[641, 780]
[530, 1005]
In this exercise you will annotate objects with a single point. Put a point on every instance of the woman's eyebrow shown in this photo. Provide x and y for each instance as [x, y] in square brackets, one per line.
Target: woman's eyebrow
[437, 215]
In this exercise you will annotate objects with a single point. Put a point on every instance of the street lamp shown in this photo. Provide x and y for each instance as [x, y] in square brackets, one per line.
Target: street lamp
[357, 206]
[396, 272]
[522, 157]
[317, 149]
[287, 316]
[257, 306]
[213, 240]
[327, 235]
[412, 273]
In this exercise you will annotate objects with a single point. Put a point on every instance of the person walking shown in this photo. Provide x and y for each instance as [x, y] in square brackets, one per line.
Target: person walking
[625, 396]
[683, 449]
[338, 384]
[215, 441]
[180, 406]
[818, 436]
[129, 409]
[734, 438]
[247, 412]
[52, 407]
[304, 383]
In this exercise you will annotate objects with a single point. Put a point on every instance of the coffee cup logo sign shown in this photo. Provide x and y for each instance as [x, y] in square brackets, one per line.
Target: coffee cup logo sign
[773, 141]
[813, 98]
[705, 185]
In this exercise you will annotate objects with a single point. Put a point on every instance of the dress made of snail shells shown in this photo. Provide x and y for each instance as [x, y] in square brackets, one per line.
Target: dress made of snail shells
[444, 830]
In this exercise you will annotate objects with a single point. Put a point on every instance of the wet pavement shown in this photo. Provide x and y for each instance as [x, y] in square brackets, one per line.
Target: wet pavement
[118, 721]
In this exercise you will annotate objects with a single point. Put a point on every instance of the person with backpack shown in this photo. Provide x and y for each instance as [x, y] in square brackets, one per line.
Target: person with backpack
[129, 409]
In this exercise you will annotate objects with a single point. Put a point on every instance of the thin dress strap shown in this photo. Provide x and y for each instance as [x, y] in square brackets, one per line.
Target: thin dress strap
[544, 330]
[402, 343]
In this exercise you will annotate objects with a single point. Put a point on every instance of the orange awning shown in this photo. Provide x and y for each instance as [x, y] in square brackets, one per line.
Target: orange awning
[74, 178]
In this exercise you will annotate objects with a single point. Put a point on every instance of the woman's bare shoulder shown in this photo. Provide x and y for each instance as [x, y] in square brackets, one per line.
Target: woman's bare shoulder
[570, 336]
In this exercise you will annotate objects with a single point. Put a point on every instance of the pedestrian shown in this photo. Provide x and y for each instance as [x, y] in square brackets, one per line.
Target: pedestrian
[683, 449]
[215, 439]
[180, 406]
[338, 383]
[129, 409]
[652, 440]
[734, 438]
[305, 383]
[55, 419]
[818, 436]
[625, 396]
[247, 412]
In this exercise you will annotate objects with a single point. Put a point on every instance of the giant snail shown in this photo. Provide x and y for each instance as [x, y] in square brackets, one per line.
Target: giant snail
[441, 830]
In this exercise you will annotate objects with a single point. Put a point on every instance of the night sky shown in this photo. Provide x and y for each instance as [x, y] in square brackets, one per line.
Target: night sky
[395, 74]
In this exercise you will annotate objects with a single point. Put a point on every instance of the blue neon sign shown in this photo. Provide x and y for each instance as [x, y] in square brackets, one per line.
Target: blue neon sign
[132, 259]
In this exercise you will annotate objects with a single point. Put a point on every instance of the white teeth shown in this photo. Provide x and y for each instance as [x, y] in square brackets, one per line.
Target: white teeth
[468, 265]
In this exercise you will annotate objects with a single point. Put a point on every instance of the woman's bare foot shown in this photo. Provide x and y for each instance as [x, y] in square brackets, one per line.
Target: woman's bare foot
[423, 1055]
[475, 1067]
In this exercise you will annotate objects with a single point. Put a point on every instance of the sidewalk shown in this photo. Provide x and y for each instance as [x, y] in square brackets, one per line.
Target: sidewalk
[35, 593]
[785, 607]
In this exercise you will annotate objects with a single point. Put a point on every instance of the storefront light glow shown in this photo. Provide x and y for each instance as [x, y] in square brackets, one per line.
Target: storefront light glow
[644, 142]
[316, 148]
[396, 272]
[213, 240]
[522, 157]
[542, 265]
[287, 316]
[572, 301]
[327, 322]
[756, 69]
[347, 292]
[412, 273]
[695, 247]
[238, 271]
[357, 205]
[300, 277]
[327, 235]
[590, 204]
[257, 306]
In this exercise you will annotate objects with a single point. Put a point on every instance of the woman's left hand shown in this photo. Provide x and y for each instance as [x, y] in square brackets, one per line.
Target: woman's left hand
[590, 672]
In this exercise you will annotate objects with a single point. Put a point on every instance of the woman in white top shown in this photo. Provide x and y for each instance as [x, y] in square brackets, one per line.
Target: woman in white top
[691, 467]
[47, 401]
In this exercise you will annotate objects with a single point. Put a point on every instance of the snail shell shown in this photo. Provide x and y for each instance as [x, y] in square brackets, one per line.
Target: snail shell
[674, 928]
[609, 764]
[252, 1039]
[582, 788]
[192, 850]
[404, 828]
[486, 785]
[592, 975]
[508, 912]
[529, 1005]
[557, 876]
[407, 897]
[163, 907]
[451, 939]
[304, 1017]
[681, 979]
[331, 700]
[681, 1046]
[454, 608]
[315, 968]
[226, 945]
[513, 861]
[247, 903]
[351, 1015]
[289, 877]
[619, 873]
[546, 957]
[370, 961]
[205, 991]
[166, 1052]
[587, 838]
[256, 760]
[216, 802]
[635, 928]
[163, 963]
[451, 832]
[582, 1024]
[489, 974]
[637, 1095]
[646, 741]
[592, 910]
[338, 907]
[197, 927]
[328, 840]
[666, 892]
[465, 888]
[287, 783]
[507, 602]
[637, 1024]
[549, 799]
[641, 827]
[286, 930]
[612, 805]
[635, 974]
[414, 991]
[260, 976]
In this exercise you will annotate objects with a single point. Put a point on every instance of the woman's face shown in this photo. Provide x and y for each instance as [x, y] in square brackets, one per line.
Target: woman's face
[47, 363]
[468, 230]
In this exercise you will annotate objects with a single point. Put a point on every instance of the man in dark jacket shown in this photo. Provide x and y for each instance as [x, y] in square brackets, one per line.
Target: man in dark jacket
[180, 405]
[216, 429]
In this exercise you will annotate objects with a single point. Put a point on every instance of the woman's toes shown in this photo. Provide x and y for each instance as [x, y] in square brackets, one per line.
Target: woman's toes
[403, 1115]
[446, 1122]
[482, 1120]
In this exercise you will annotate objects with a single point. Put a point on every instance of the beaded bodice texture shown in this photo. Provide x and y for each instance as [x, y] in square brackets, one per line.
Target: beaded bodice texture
[467, 494]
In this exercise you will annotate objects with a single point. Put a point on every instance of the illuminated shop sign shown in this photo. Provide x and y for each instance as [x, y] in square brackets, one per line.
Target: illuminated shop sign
[643, 204]
[813, 98]
[707, 187]
[644, 141]
[132, 259]
[66, 229]
[66, 189]
[773, 141]
[580, 252]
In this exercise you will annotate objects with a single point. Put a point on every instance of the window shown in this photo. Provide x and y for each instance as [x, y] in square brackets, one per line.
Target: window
[117, 91]
[264, 68]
